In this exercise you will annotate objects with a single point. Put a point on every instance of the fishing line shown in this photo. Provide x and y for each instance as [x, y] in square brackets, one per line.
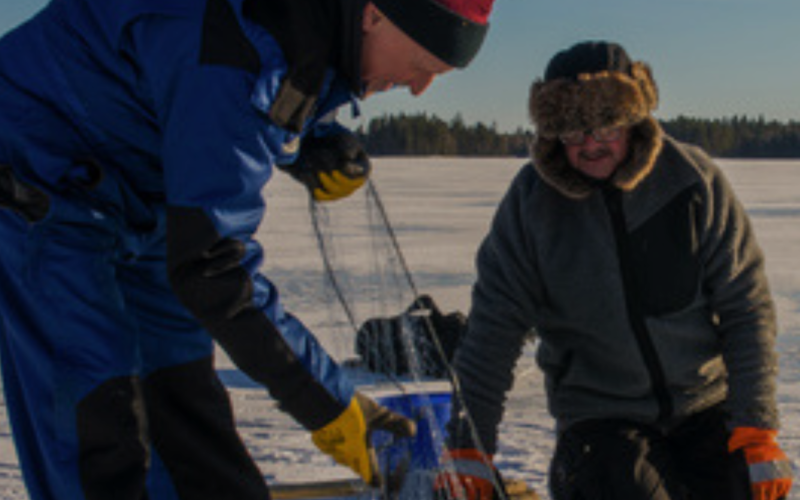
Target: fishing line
[407, 275]
[326, 262]
[325, 252]
[451, 373]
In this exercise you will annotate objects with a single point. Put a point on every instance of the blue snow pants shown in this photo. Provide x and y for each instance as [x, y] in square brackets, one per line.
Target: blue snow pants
[109, 382]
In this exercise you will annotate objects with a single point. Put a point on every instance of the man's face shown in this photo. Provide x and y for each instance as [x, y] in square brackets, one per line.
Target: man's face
[389, 58]
[598, 158]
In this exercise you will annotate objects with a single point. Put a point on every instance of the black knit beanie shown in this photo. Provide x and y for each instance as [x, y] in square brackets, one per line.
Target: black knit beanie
[452, 30]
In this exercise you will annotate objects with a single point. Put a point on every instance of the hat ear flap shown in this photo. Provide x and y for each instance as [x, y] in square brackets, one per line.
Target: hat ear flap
[553, 167]
[646, 142]
[643, 75]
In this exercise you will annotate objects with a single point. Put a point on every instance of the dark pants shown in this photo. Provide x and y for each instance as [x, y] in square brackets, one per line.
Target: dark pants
[622, 460]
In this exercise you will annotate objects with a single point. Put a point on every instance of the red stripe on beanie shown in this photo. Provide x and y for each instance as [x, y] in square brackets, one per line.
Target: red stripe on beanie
[476, 11]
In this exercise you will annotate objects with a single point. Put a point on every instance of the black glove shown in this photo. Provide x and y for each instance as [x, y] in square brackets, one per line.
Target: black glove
[331, 167]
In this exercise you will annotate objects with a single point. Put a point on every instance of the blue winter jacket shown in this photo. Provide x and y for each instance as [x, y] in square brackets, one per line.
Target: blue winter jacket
[169, 100]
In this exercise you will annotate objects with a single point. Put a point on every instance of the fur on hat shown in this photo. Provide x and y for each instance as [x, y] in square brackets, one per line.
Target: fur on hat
[591, 101]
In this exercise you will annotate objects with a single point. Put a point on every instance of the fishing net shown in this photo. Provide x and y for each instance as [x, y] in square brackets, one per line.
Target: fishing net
[394, 340]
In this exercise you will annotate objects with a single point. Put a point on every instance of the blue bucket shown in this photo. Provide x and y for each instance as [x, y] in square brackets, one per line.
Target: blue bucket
[431, 412]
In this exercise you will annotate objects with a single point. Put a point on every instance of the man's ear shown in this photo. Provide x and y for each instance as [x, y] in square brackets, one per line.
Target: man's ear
[372, 17]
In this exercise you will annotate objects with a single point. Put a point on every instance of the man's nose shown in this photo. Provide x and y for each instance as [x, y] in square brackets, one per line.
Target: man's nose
[589, 142]
[421, 84]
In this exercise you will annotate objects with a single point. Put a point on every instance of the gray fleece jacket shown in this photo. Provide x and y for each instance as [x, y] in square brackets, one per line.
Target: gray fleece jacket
[649, 303]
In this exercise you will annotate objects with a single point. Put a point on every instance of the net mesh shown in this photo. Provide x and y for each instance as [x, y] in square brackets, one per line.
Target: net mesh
[367, 278]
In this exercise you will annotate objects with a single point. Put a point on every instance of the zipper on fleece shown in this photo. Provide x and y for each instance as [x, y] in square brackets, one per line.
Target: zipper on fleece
[613, 199]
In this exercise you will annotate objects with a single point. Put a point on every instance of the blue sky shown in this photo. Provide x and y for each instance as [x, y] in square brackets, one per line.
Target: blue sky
[710, 58]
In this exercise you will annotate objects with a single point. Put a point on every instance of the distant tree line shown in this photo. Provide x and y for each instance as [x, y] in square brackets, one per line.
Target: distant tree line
[739, 137]
[423, 135]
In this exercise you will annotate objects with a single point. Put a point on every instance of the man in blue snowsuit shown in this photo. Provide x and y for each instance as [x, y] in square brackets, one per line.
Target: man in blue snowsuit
[135, 140]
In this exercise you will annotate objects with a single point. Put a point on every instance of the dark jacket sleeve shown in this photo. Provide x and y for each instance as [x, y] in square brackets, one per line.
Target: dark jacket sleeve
[501, 317]
[736, 282]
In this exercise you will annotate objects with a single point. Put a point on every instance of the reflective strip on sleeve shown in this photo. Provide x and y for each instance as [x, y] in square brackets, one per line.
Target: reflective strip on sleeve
[474, 469]
[769, 471]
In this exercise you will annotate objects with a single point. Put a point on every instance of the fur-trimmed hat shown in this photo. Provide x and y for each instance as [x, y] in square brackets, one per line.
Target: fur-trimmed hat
[452, 30]
[589, 86]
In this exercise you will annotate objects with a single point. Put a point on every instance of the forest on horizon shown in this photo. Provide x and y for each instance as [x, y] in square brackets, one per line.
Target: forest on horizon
[427, 135]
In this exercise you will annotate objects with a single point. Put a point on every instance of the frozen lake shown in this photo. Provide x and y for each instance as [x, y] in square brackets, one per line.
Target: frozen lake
[440, 209]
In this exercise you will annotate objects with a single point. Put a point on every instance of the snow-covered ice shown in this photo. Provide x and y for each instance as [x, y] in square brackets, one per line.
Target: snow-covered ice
[440, 209]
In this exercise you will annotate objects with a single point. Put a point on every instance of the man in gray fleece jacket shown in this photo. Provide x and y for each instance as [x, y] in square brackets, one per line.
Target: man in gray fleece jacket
[629, 256]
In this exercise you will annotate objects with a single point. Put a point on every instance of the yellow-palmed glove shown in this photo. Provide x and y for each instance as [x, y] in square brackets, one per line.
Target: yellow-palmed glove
[332, 166]
[348, 438]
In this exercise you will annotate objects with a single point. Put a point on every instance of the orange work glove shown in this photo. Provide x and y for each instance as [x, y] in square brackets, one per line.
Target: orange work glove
[770, 472]
[467, 474]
